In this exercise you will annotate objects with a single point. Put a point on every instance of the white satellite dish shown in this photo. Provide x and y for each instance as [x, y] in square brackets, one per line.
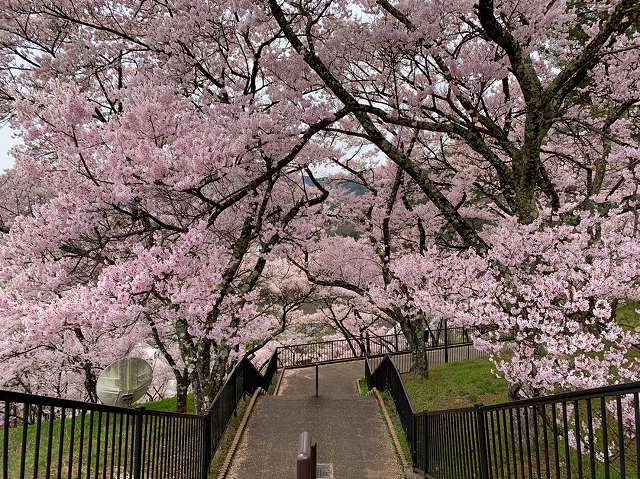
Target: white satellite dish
[124, 382]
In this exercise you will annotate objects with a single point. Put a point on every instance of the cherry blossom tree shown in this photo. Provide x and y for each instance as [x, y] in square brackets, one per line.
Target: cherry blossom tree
[178, 143]
[518, 123]
[173, 149]
[385, 222]
[476, 75]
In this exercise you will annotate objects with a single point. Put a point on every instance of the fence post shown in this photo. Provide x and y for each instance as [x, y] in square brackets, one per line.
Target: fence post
[306, 461]
[235, 387]
[137, 445]
[483, 457]
[446, 342]
[414, 438]
[206, 445]
[426, 444]
[368, 343]
[396, 331]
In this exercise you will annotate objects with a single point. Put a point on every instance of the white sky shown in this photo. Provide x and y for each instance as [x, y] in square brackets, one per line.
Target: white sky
[6, 142]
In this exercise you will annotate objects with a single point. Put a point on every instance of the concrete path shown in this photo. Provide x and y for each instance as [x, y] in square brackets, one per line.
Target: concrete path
[349, 430]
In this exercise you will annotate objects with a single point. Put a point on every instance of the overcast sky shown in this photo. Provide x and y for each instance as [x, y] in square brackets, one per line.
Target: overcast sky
[6, 142]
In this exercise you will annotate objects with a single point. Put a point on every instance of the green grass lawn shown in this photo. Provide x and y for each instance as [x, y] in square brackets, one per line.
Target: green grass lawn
[628, 316]
[363, 387]
[456, 385]
[169, 405]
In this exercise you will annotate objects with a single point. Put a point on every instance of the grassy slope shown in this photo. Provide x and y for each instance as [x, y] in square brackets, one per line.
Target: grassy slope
[628, 315]
[449, 386]
[169, 405]
[395, 419]
[463, 384]
[456, 385]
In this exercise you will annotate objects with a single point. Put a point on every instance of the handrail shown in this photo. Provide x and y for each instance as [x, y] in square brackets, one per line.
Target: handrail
[219, 393]
[333, 351]
[584, 394]
[151, 412]
[33, 399]
[436, 412]
[382, 336]
[399, 377]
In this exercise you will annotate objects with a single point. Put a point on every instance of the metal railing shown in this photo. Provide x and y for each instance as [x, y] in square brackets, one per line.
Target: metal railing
[243, 380]
[435, 356]
[386, 377]
[58, 438]
[44, 437]
[354, 348]
[591, 434]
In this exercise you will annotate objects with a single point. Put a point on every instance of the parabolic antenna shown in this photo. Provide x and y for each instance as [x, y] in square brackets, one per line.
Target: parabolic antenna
[124, 382]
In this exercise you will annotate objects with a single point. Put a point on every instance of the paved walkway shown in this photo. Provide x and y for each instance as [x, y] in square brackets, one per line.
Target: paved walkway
[350, 431]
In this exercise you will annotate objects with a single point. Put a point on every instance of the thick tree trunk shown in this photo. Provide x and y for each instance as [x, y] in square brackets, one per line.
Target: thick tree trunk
[90, 382]
[513, 392]
[209, 378]
[182, 388]
[414, 333]
[420, 360]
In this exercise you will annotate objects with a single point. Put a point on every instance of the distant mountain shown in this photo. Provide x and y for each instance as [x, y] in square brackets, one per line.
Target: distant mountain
[349, 186]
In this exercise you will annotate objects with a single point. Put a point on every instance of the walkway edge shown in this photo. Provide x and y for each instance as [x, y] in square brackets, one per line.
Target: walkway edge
[406, 467]
[276, 391]
[238, 437]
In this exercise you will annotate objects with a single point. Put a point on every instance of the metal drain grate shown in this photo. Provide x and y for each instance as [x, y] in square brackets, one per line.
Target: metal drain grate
[324, 471]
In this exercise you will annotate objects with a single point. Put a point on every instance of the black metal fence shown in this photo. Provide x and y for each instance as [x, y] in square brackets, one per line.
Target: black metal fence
[43, 437]
[243, 381]
[436, 356]
[56, 438]
[387, 378]
[307, 354]
[591, 434]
